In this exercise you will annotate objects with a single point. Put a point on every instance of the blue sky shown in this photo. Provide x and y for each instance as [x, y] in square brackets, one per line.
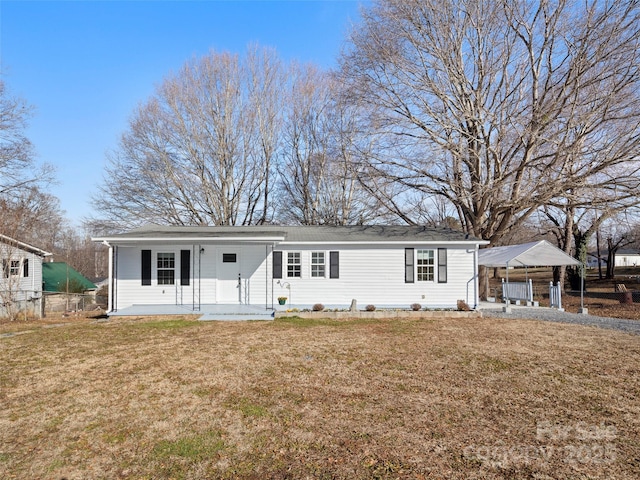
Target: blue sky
[85, 65]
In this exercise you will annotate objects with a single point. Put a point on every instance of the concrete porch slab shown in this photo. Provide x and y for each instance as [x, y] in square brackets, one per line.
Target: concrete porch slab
[207, 312]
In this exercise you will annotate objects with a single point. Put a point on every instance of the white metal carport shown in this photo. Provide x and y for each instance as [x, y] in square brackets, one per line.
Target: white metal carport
[533, 254]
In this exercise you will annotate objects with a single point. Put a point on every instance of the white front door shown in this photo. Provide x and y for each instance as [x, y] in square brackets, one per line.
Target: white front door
[229, 281]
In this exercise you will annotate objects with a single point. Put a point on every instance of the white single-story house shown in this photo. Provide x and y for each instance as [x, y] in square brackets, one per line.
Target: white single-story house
[627, 258]
[21, 279]
[386, 266]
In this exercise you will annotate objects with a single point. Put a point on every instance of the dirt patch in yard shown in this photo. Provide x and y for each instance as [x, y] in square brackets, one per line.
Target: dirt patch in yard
[602, 307]
[446, 398]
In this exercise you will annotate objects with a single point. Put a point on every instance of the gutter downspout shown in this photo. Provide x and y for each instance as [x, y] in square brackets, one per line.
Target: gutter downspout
[507, 295]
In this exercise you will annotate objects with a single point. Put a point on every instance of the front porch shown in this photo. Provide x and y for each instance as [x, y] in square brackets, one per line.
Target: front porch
[207, 312]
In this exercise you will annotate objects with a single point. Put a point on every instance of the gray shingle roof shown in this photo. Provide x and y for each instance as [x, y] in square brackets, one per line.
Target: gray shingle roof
[295, 234]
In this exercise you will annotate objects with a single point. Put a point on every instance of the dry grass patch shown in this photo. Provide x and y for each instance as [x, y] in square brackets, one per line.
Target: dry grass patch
[450, 398]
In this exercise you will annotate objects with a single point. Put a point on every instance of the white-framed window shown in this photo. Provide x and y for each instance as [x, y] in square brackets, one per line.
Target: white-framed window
[294, 265]
[14, 268]
[318, 265]
[166, 268]
[425, 263]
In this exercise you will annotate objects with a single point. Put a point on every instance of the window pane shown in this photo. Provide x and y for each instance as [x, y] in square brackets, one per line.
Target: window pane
[166, 266]
[166, 277]
[294, 257]
[317, 270]
[317, 264]
[293, 264]
[425, 265]
[166, 260]
[15, 267]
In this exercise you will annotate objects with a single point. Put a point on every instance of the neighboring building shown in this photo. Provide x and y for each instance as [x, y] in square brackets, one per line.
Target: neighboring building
[627, 258]
[385, 266]
[61, 277]
[592, 260]
[21, 279]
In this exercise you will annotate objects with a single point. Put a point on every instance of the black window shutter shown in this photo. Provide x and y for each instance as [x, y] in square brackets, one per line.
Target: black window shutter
[334, 264]
[185, 266]
[408, 265]
[277, 264]
[25, 268]
[146, 267]
[442, 265]
[5, 267]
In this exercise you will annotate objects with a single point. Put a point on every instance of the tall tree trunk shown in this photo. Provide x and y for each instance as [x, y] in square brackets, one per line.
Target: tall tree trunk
[611, 258]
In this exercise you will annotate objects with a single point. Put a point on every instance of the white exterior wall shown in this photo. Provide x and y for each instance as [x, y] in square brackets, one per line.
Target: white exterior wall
[26, 291]
[375, 274]
[20, 287]
[627, 260]
[210, 281]
[129, 288]
[371, 274]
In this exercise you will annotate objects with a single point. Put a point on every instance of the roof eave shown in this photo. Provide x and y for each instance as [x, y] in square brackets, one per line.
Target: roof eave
[24, 246]
[121, 240]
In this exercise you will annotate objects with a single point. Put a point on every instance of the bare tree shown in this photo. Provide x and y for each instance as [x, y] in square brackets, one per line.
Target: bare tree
[319, 176]
[267, 77]
[496, 106]
[32, 216]
[18, 169]
[16, 151]
[618, 237]
[200, 150]
[74, 246]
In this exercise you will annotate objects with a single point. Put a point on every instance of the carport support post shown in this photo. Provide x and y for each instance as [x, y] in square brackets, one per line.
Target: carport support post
[507, 306]
[582, 310]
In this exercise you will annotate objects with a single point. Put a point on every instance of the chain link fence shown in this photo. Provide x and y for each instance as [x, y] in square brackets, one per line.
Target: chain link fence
[16, 304]
[58, 302]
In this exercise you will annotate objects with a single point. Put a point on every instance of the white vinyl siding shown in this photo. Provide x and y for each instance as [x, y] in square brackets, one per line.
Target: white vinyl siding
[375, 274]
[204, 287]
[25, 272]
[370, 274]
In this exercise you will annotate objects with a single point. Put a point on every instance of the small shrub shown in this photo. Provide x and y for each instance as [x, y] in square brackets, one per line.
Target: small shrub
[318, 307]
[415, 307]
[462, 306]
[370, 308]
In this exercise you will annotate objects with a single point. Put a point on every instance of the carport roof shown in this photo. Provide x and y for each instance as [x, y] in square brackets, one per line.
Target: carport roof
[533, 254]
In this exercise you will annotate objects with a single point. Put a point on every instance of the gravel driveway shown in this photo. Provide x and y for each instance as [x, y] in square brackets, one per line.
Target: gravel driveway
[552, 315]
